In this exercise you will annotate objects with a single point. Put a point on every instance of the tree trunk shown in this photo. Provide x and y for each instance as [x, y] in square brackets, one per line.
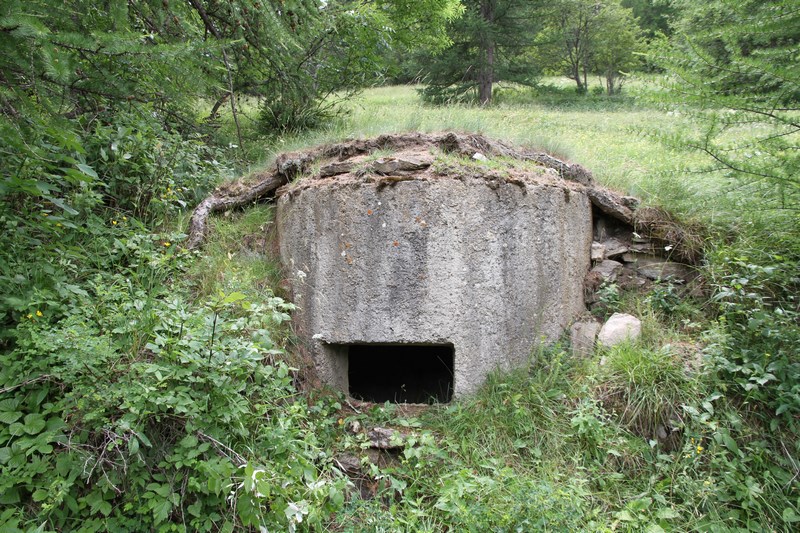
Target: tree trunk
[219, 103]
[486, 72]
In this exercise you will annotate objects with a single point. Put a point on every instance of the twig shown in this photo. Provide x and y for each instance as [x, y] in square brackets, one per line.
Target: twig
[43, 377]
[223, 449]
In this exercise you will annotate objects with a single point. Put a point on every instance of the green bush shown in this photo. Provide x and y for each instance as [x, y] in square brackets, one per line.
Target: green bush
[646, 388]
[141, 411]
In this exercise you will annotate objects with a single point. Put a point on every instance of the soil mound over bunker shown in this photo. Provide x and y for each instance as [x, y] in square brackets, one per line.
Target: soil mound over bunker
[420, 263]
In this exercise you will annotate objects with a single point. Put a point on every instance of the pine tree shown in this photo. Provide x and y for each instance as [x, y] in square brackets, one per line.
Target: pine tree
[489, 44]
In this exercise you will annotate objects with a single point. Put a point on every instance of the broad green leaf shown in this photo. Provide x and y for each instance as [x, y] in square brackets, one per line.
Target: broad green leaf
[9, 496]
[60, 203]
[34, 424]
[86, 169]
[233, 298]
[161, 509]
[105, 508]
[667, 513]
[9, 417]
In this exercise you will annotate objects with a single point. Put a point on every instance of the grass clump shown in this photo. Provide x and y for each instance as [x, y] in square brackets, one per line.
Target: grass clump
[646, 389]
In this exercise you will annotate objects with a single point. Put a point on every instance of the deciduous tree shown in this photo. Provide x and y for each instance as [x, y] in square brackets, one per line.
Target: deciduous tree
[584, 37]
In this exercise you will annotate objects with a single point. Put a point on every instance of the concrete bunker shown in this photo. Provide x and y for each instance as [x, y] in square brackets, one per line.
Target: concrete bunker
[403, 245]
[431, 241]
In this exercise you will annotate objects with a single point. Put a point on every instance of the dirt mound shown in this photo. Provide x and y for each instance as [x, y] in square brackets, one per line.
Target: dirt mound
[412, 157]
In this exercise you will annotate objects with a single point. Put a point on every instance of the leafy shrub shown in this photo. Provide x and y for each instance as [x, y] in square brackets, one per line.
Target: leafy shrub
[138, 410]
[755, 352]
[497, 499]
[148, 172]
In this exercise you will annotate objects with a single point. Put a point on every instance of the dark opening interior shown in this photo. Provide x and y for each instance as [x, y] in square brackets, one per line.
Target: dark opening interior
[401, 373]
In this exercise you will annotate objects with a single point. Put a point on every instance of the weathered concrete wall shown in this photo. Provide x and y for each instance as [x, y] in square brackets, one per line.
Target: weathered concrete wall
[492, 267]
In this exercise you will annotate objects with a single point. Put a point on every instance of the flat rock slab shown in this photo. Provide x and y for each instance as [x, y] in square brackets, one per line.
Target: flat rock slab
[608, 270]
[390, 165]
[610, 204]
[386, 439]
[665, 270]
[614, 247]
[619, 328]
[583, 335]
[334, 169]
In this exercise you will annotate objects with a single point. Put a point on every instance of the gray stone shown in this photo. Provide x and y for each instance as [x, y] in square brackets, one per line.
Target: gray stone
[644, 246]
[610, 204]
[631, 202]
[608, 270]
[479, 157]
[665, 270]
[385, 439]
[582, 337]
[335, 169]
[598, 251]
[390, 165]
[641, 258]
[614, 247]
[348, 464]
[619, 328]
[450, 260]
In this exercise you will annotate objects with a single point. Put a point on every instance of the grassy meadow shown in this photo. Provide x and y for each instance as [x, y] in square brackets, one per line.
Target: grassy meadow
[620, 139]
[565, 444]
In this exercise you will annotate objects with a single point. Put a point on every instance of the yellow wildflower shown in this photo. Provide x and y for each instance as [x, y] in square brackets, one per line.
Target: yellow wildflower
[114, 222]
[39, 313]
[700, 449]
[167, 244]
[30, 315]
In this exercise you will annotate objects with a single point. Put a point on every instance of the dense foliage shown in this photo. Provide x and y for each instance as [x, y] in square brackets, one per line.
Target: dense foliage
[489, 43]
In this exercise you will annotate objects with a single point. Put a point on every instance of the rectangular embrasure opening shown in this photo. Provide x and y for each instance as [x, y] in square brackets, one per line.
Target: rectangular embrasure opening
[400, 373]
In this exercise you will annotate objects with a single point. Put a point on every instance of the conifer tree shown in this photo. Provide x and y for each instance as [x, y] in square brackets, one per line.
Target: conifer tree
[737, 62]
[489, 44]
